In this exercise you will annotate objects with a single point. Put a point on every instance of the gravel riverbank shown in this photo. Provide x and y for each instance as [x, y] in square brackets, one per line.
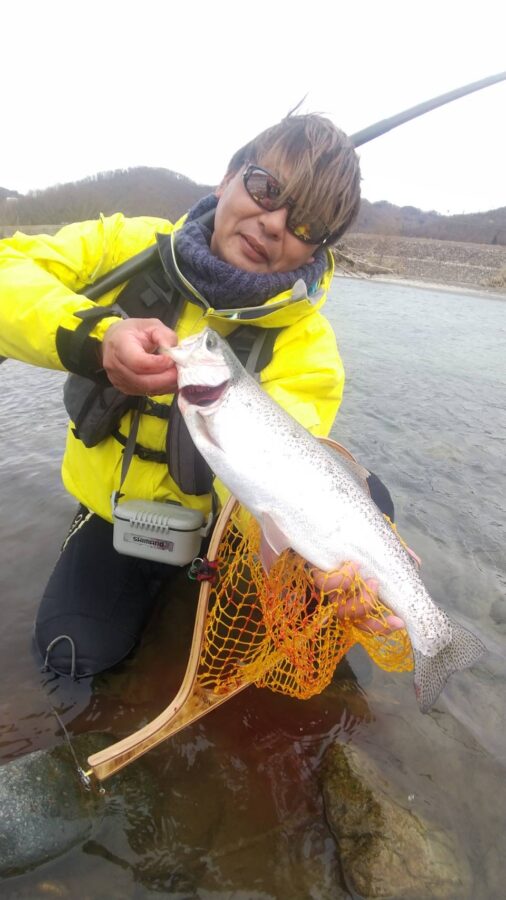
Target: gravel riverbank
[421, 261]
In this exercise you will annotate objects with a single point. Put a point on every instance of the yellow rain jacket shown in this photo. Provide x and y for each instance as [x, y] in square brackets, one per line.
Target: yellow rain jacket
[39, 275]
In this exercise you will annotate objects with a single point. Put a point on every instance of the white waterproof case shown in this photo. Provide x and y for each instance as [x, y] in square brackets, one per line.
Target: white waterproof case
[164, 532]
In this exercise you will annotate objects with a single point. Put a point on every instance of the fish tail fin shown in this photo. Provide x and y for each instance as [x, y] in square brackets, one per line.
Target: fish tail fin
[432, 672]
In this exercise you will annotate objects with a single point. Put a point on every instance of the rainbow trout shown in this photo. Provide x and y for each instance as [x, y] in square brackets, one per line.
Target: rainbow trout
[310, 499]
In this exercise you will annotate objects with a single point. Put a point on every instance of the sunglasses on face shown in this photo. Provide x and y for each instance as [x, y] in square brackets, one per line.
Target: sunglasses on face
[265, 190]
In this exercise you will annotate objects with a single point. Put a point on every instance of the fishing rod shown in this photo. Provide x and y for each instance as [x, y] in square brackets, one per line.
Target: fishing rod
[128, 269]
[385, 125]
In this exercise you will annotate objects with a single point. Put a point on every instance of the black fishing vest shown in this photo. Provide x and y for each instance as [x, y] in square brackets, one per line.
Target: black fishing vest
[96, 409]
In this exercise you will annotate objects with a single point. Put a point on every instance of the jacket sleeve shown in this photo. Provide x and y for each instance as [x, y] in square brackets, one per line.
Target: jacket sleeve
[39, 277]
[306, 374]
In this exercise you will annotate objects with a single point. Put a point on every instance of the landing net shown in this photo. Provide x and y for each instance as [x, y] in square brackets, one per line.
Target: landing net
[281, 631]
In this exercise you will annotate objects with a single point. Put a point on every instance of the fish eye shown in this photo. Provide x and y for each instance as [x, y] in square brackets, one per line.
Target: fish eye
[211, 341]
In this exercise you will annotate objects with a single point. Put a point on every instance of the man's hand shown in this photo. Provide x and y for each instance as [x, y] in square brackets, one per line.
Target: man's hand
[129, 357]
[359, 603]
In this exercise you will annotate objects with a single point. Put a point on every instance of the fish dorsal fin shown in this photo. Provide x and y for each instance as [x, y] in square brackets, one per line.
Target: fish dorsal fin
[358, 472]
[273, 541]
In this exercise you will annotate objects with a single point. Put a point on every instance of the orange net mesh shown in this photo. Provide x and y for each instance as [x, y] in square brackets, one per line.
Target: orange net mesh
[281, 631]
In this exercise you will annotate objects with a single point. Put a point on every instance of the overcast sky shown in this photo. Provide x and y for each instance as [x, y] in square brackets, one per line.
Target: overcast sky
[104, 85]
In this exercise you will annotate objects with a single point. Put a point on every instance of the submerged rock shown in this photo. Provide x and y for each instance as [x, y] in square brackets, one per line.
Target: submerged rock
[386, 850]
[45, 809]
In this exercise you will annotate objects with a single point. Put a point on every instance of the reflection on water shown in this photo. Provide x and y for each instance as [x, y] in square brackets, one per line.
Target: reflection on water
[237, 810]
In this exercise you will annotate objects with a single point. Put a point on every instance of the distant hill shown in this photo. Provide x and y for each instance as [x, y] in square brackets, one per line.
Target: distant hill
[139, 191]
[5, 192]
[407, 221]
[161, 192]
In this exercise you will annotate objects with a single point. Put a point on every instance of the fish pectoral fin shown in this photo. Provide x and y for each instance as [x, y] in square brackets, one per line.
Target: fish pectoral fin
[272, 542]
[432, 672]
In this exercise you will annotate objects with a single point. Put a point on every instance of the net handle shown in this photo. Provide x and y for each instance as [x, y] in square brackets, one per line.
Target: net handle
[330, 442]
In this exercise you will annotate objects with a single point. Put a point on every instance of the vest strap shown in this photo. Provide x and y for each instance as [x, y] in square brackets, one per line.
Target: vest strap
[144, 453]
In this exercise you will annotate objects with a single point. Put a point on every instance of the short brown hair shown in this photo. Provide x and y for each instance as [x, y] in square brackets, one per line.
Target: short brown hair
[323, 167]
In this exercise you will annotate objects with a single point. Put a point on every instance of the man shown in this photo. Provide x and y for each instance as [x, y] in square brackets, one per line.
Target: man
[252, 256]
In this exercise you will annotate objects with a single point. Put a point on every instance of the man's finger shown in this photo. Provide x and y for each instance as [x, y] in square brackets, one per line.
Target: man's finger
[163, 337]
[343, 579]
[149, 385]
[133, 357]
[380, 626]
[354, 607]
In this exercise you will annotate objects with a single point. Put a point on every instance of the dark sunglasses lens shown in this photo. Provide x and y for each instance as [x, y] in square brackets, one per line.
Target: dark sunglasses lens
[263, 188]
[301, 230]
[310, 232]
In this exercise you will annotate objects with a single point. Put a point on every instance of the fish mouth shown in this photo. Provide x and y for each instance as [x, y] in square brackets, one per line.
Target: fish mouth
[203, 394]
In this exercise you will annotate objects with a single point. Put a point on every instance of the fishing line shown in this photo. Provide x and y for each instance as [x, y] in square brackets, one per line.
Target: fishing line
[83, 777]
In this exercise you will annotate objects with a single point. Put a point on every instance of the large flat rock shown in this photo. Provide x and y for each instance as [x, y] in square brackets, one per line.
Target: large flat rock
[387, 851]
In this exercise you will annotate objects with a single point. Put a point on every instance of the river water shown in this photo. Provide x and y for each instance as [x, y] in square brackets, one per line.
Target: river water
[237, 810]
